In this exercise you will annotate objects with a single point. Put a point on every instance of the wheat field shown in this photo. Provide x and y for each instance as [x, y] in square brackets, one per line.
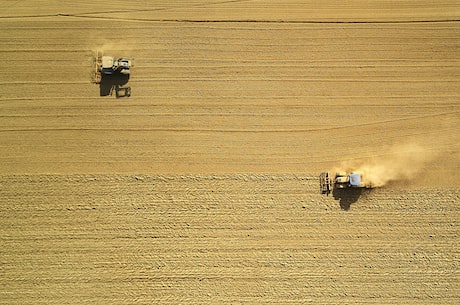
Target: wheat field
[202, 187]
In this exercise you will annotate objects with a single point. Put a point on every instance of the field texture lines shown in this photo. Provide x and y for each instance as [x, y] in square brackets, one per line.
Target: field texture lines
[202, 187]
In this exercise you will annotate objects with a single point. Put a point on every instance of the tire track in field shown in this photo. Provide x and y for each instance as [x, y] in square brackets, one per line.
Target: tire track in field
[249, 21]
[109, 12]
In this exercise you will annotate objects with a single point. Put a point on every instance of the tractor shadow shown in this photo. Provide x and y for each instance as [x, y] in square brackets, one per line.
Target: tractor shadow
[348, 196]
[110, 82]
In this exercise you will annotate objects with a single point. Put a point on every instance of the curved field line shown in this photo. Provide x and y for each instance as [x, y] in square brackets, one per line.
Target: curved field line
[230, 130]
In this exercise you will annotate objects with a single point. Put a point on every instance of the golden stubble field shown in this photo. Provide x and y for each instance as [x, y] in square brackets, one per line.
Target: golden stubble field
[202, 187]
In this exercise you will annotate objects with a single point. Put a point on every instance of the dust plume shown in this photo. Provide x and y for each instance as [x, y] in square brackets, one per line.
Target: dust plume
[402, 162]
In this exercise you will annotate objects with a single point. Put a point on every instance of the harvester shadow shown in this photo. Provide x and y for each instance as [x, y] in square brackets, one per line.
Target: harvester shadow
[347, 196]
[112, 81]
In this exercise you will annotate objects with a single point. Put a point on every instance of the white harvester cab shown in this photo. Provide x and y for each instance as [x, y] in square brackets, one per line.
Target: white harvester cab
[123, 65]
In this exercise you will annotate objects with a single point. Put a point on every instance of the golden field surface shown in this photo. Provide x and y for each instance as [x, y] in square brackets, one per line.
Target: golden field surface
[202, 187]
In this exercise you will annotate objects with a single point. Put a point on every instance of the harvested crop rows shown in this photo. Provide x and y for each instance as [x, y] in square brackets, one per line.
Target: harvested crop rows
[202, 187]
[223, 239]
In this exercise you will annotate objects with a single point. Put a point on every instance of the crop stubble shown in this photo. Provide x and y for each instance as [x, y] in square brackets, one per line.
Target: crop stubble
[223, 238]
[215, 107]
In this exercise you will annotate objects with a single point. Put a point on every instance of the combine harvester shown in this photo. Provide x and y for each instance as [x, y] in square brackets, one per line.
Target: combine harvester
[341, 181]
[112, 74]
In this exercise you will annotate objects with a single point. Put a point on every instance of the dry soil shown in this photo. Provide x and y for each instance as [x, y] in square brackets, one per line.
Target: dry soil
[201, 188]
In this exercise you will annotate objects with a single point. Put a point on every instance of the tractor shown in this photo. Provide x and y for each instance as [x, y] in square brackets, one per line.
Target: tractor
[112, 74]
[342, 180]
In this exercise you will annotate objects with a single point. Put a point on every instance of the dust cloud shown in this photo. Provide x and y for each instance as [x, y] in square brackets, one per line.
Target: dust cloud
[399, 163]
